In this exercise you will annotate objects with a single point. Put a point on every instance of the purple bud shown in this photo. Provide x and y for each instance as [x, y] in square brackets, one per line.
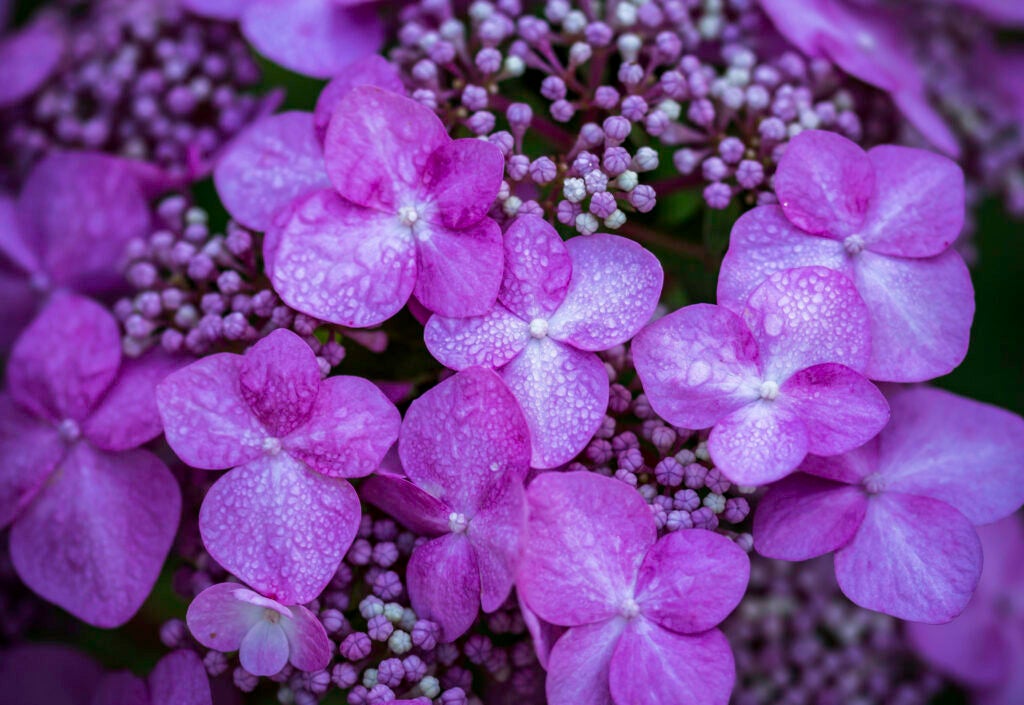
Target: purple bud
[344, 675]
[474, 97]
[606, 97]
[562, 110]
[599, 34]
[414, 668]
[731, 149]
[543, 170]
[235, 326]
[603, 204]
[481, 123]
[380, 694]
[519, 116]
[695, 476]
[631, 459]
[591, 135]
[387, 586]
[669, 472]
[503, 141]
[704, 518]
[425, 634]
[634, 108]
[714, 169]
[333, 620]
[643, 198]
[488, 60]
[718, 195]
[142, 275]
[356, 646]
[656, 122]
[173, 633]
[390, 672]
[172, 340]
[567, 212]
[701, 112]
[630, 75]
[517, 166]
[736, 510]
[772, 129]
[215, 662]
[553, 88]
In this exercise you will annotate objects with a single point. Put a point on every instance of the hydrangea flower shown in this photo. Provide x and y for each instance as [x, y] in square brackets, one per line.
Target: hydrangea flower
[92, 515]
[886, 219]
[283, 518]
[177, 679]
[267, 634]
[776, 381]
[408, 215]
[899, 512]
[641, 612]
[559, 303]
[465, 448]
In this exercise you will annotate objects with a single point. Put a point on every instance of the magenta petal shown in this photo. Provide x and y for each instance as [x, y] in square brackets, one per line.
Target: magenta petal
[219, 619]
[30, 449]
[309, 647]
[66, 359]
[264, 649]
[415, 509]
[914, 558]
[21, 251]
[653, 666]
[371, 70]
[350, 429]
[459, 271]
[217, 9]
[570, 574]
[461, 181]
[537, 268]
[444, 584]
[179, 678]
[850, 468]
[563, 393]
[697, 365]
[824, 183]
[279, 379]
[758, 444]
[315, 38]
[121, 688]
[921, 313]
[94, 540]
[341, 263]
[615, 287]
[258, 521]
[207, 422]
[48, 674]
[265, 168]
[29, 57]
[579, 664]
[20, 304]
[803, 516]
[973, 649]
[543, 634]
[840, 408]
[496, 534]
[378, 145]
[491, 340]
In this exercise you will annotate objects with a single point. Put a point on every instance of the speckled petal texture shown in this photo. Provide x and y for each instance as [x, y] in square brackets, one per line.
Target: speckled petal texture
[758, 444]
[411, 506]
[220, 620]
[279, 379]
[31, 450]
[490, 340]
[443, 584]
[537, 268]
[461, 180]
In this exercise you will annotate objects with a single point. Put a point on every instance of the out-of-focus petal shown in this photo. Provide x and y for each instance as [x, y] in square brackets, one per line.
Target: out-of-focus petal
[491, 340]
[179, 678]
[217, 9]
[459, 271]
[373, 70]
[30, 449]
[48, 674]
[444, 584]
[29, 57]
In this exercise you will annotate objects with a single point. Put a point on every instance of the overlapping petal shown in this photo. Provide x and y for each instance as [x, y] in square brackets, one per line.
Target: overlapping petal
[578, 668]
[220, 620]
[264, 649]
[459, 271]
[309, 649]
[179, 678]
[30, 449]
[443, 583]
[279, 379]
[496, 534]
[461, 180]
[411, 506]
[491, 340]
[373, 70]
[537, 268]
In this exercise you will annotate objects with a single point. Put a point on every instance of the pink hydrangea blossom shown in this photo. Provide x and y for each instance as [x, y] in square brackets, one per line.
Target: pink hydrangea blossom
[775, 381]
[283, 518]
[633, 604]
[465, 448]
[885, 219]
[559, 303]
[92, 514]
[899, 512]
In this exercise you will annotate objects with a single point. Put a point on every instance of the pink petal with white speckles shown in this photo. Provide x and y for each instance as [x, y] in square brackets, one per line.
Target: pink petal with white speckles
[411, 506]
[459, 271]
[697, 365]
[66, 359]
[279, 526]
[271, 163]
[537, 268]
[279, 379]
[496, 534]
[462, 179]
[491, 340]
[444, 584]
[371, 70]
[264, 649]
[563, 393]
[29, 57]
[207, 422]
[465, 440]
[614, 289]
[914, 558]
[331, 259]
[579, 663]
[179, 678]
[309, 649]
[94, 540]
[350, 428]
[807, 316]
[570, 573]
[760, 443]
[219, 619]
[378, 145]
[803, 516]
[31, 449]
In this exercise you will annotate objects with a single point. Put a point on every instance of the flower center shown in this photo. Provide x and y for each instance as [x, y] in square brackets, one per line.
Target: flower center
[272, 616]
[629, 609]
[538, 328]
[271, 446]
[408, 215]
[769, 390]
[69, 430]
[854, 244]
[874, 483]
[457, 523]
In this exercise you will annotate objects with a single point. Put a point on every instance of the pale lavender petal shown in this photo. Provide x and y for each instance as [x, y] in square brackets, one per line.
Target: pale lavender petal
[264, 649]
[415, 509]
[309, 647]
[444, 584]
[48, 674]
[217, 9]
[563, 393]
[760, 443]
[30, 449]
[459, 271]
[341, 263]
[93, 541]
[496, 534]
[579, 664]
[219, 619]
[461, 181]
[537, 268]
[614, 289]
[29, 57]
[803, 516]
[914, 558]
[179, 678]
[279, 526]
[279, 379]
[569, 573]
[697, 365]
[270, 164]
[490, 340]
[371, 70]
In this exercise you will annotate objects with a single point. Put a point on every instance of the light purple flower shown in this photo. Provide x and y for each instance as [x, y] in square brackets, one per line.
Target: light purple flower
[886, 219]
[283, 518]
[641, 612]
[267, 634]
[899, 512]
[558, 304]
[465, 447]
[179, 678]
[92, 515]
[776, 381]
[411, 217]
[29, 57]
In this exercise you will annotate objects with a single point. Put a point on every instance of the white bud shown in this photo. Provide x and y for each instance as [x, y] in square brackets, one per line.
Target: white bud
[625, 13]
[586, 223]
[715, 502]
[615, 220]
[670, 108]
[430, 687]
[580, 53]
[514, 66]
[575, 190]
[575, 22]
[504, 191]
[627, 180]
[453, 30]
[629, 44]
[481, 10]
[645, 159]
[512, 205]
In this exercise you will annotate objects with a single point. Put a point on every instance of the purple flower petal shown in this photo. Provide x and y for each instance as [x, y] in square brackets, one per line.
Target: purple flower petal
[459, 271]
[121, 688]
[411, 506]
[496, 534]
[179, 678]
[29, 57]
[20, 303]
[264, 649]
[270, 164]
[219, 619]
[758, 444]
[537, 268]
[570, 574]
[563, 393]
[914, 558]
[309, 649]
[613, 292]
[543, 634]
[279, 379]
[851, 468]
[461, 181]
[371, 70]
[579, 664]
[22, 252]
[279, 526]
[341, 263]
[217, 9]
[443, 584]
[94, 540]
[30, 449]
[491, 340]
[48, 674]
[803, 516]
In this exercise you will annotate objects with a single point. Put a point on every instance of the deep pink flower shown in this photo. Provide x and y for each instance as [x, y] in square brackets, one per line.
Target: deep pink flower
[283, 518]
[465, 448]
[267, 634]
[641, 612]
[558, 304]
[776, 381]
[179, 678]
[885, 219]
[92, 515]
[411, 217]
[899, 512]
